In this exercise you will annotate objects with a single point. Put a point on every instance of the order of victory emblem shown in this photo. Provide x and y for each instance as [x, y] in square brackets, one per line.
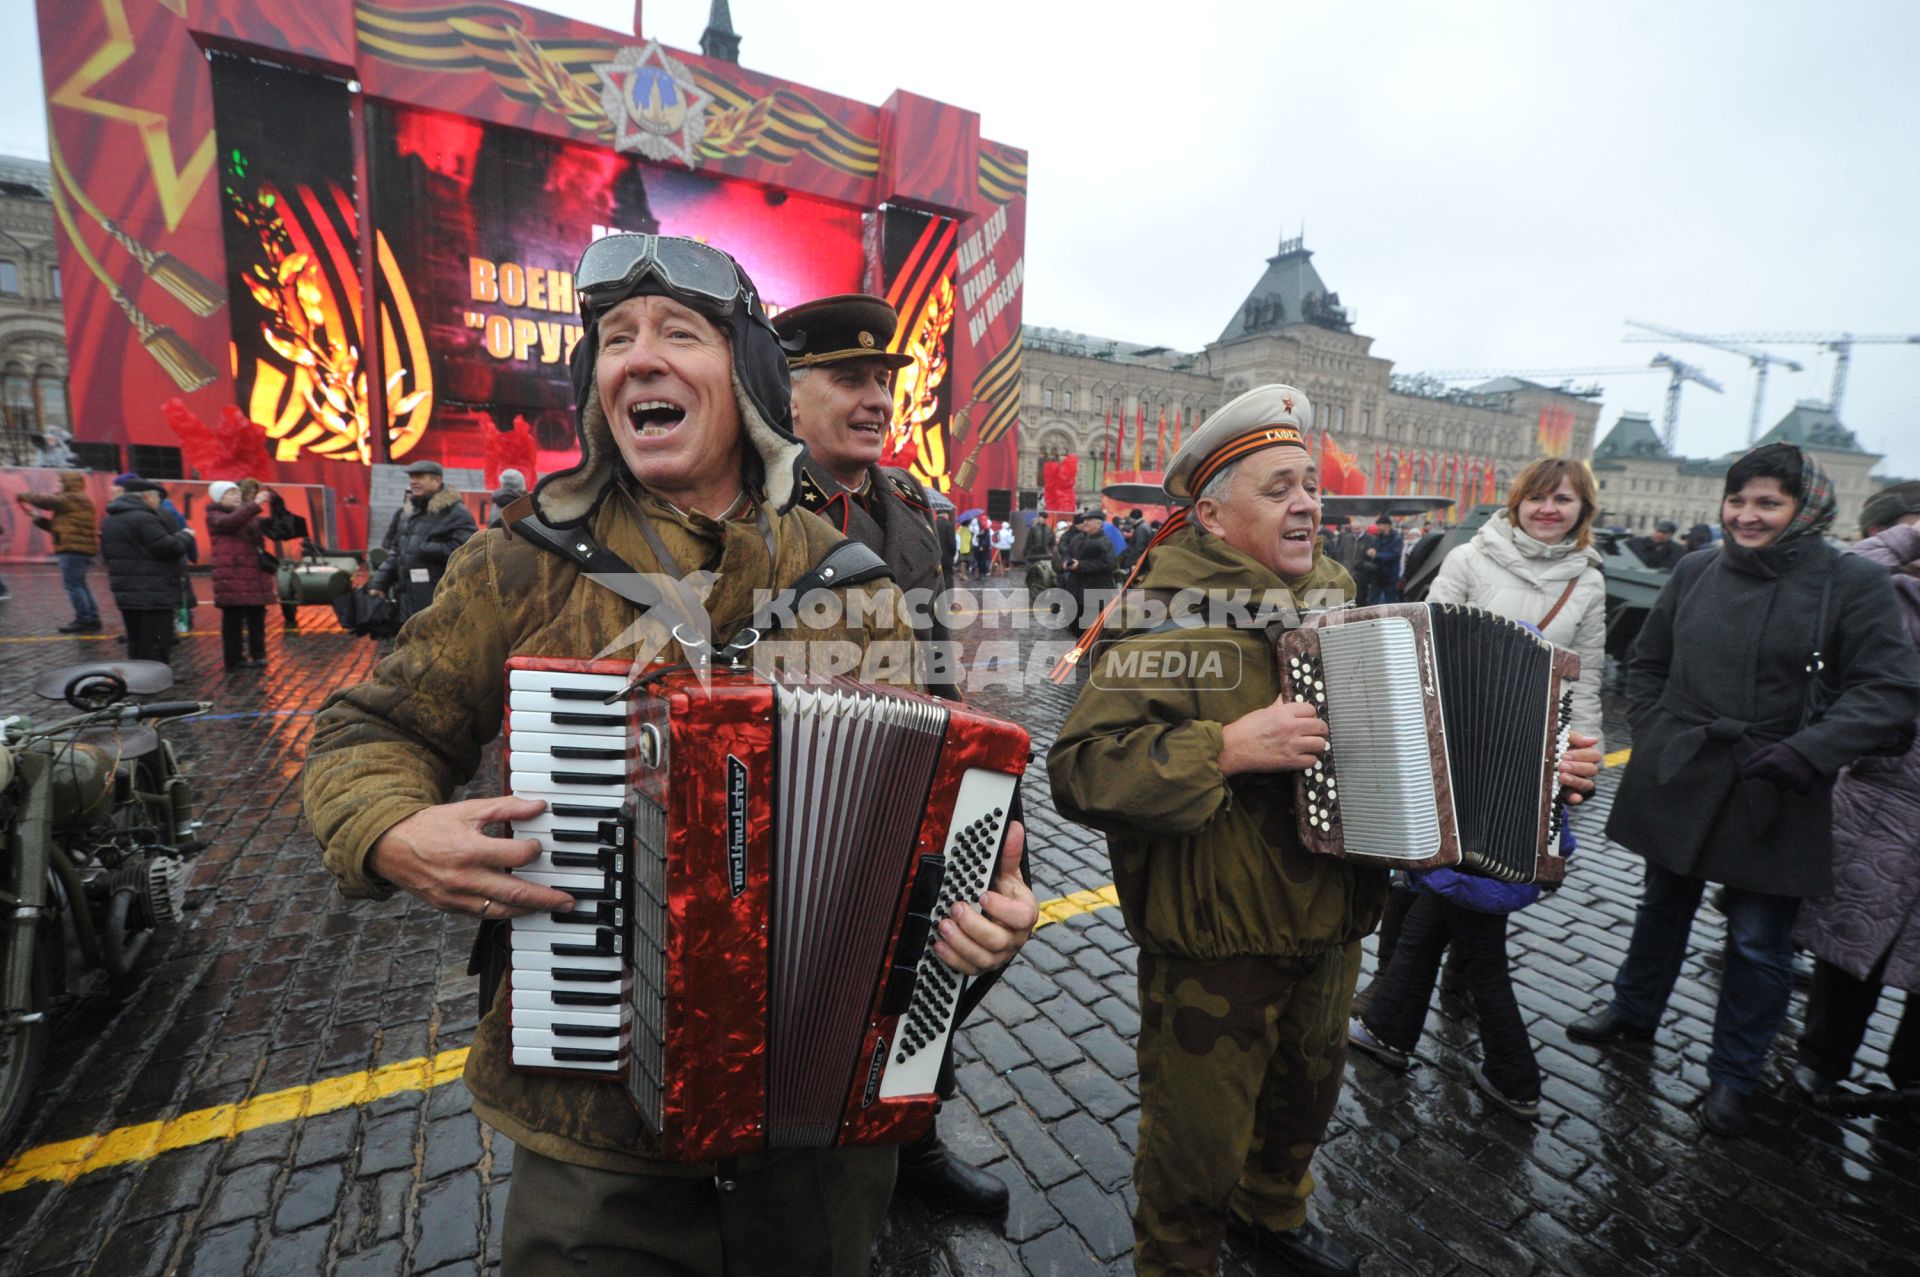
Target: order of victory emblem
[653, 103]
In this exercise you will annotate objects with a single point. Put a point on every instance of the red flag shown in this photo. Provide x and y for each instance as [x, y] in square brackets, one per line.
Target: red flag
[1160, 441]
[1340, 474]
[513, 450]
[1176, 430]
[1107, 442]
[1139, 431]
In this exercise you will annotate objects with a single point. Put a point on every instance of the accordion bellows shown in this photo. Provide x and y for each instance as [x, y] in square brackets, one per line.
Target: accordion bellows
[758, 870]
[1446, 726]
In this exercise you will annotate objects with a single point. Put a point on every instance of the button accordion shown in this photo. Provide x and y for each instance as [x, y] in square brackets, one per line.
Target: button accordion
[758, 870]
[1446, 726]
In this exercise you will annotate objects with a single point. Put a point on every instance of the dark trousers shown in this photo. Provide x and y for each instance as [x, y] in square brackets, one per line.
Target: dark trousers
[73, 578]
[1757, 971]
[1397, 1012]
[149, 633]
[1838, 1009]
[290, 615]
[236, 622]
[1393, 919]
[809, 1212]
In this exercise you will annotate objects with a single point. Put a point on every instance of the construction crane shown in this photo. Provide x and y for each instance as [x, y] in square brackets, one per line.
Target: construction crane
[1841, 344]
[1678, 371]
[1760, 360]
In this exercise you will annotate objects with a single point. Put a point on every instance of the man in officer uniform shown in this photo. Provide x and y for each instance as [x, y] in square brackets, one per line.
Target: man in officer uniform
[842, 408]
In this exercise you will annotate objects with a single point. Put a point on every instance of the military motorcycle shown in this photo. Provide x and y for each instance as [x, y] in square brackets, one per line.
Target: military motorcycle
[97, 832]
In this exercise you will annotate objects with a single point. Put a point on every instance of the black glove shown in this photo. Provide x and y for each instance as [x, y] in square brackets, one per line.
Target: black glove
[1782, 766]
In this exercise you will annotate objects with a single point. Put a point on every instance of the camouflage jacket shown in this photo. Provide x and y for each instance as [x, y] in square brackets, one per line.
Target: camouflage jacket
[410, 736]
[1206, 866]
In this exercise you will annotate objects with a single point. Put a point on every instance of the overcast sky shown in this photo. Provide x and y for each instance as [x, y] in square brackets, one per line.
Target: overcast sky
[1485, 185]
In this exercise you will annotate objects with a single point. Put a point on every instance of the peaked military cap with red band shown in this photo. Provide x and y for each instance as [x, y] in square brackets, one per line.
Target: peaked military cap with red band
[1264, 417]
[835, 329]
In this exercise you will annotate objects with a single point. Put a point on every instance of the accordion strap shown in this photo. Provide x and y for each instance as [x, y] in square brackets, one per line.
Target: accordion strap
[599, 563]
[847, 563]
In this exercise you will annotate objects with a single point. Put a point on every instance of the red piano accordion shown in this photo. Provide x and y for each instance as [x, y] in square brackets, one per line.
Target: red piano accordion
[1445, 727]
[757, 870]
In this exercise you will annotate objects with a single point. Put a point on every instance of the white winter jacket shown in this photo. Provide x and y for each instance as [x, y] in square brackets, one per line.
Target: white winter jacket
[1508, 572]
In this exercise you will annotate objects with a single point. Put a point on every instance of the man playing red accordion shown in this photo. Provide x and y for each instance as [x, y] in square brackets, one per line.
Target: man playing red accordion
[686, 474]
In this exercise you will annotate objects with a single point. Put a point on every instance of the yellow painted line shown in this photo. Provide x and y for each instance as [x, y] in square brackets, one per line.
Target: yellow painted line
[1064, 907]
[69, 1159]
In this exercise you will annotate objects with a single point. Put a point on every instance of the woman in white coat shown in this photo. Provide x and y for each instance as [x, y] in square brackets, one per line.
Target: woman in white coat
[1533, 561]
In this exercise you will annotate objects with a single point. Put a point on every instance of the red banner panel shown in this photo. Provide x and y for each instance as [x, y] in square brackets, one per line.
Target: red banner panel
[356, 222]
[484, 225]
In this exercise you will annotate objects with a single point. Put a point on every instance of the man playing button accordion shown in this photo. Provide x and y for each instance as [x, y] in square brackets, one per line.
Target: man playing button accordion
[1249, 945]
[687, 472]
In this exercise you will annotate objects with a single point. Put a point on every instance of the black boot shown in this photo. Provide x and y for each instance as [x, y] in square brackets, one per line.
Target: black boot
[929, 1168]
[1607, 1025]
[1724, 1111]
[1815, 1087]
[1309, 1250]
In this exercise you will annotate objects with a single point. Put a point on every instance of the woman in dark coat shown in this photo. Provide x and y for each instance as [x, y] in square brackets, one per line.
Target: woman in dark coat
[146, 563]
[242, 585]
[1865, 935]
[1734, 754]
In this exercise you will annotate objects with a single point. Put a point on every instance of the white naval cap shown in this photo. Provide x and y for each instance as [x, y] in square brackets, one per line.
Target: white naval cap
[1264, 417]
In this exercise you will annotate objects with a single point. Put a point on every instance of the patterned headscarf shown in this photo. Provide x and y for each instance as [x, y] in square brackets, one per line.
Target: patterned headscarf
[1817, 506]
[1817, 503]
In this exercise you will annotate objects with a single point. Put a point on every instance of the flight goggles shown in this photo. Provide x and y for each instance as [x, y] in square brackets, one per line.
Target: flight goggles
[612, 267]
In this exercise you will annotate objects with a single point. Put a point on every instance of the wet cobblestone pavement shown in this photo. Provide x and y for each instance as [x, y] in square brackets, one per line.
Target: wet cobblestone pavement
[278, 1092]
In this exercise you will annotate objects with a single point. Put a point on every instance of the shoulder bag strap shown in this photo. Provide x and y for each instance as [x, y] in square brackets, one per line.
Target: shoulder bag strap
[1565, 594]
[1815, 702]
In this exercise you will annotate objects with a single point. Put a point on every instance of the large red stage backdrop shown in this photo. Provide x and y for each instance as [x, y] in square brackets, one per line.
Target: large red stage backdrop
[357, 222]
